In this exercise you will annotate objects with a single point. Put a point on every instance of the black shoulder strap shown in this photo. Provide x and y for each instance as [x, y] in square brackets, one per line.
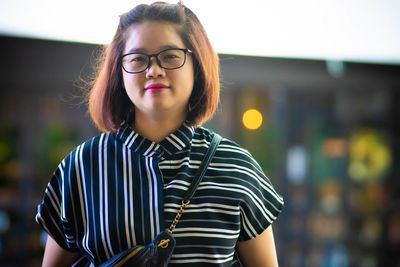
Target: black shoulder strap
[203, 167]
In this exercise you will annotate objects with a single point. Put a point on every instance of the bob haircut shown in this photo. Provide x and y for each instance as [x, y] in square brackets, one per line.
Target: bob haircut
[110, 106]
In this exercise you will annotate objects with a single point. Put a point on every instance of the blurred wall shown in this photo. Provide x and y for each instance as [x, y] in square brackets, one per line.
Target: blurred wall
[328, 142]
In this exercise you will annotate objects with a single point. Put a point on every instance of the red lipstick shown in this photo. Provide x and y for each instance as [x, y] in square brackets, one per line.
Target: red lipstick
[156, 87]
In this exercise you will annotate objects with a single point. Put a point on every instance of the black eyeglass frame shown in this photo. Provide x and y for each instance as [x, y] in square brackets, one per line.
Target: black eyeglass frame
[185, 50]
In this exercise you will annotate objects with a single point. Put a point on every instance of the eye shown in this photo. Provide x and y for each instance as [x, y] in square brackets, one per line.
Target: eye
[137, 58]
[170, 55]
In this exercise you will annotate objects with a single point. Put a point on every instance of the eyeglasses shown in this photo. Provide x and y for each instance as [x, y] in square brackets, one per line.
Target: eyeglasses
[169, 59]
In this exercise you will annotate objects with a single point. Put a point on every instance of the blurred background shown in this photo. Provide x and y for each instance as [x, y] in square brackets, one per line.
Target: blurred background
[311, 90]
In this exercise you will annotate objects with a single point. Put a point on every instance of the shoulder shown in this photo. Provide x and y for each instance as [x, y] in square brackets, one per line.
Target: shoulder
[78, 165]
[227, 151]
[84, 152]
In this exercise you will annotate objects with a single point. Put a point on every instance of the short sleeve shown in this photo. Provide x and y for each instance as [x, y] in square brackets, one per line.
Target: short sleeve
[261, 204]
[51, 212]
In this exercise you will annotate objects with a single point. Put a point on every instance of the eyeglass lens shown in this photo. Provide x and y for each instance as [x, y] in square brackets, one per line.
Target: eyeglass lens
[167, 59]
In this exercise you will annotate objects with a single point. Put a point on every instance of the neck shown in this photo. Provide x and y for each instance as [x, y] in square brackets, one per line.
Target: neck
[156, 128]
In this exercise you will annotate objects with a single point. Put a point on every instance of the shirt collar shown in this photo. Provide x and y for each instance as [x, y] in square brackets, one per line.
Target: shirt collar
[170, 145]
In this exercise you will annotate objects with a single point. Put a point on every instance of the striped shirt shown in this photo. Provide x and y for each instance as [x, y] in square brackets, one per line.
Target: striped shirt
[119, 190]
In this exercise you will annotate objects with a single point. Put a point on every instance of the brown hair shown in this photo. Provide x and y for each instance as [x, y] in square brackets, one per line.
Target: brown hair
[109, 105]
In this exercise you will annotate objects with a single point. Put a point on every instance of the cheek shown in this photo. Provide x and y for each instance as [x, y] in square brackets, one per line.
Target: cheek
[124, 79]
[130, 82]
[189, 80]
[185, 83]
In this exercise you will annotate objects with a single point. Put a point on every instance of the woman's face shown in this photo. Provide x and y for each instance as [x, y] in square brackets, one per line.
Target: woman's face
[156, 90]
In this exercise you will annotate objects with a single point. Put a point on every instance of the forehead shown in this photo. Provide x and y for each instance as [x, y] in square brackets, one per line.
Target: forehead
[151, 37]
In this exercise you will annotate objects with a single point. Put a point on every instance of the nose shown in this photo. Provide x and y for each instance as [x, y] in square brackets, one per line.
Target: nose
[154, 69]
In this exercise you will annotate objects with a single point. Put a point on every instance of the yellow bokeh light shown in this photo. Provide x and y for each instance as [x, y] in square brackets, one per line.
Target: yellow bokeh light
[370, 156]
[252, 119]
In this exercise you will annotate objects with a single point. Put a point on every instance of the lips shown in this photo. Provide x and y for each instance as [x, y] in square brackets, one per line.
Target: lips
[153, 88]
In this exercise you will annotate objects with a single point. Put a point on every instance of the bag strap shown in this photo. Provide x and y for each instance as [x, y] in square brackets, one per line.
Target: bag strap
[197, 179]
[203, 167]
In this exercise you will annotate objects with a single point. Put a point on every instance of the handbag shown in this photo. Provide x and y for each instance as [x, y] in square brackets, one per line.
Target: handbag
[159, 251]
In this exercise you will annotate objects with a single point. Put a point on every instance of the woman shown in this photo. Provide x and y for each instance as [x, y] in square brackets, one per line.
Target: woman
[158, 83]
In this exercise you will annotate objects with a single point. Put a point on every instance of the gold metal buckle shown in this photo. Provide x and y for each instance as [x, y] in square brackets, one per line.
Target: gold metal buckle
[163, 243]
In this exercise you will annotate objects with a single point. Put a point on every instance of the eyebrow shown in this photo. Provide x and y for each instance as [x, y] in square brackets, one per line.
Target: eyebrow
[144, 50]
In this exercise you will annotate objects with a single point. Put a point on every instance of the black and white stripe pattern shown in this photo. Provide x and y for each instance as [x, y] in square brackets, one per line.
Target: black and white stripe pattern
[116, 191]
